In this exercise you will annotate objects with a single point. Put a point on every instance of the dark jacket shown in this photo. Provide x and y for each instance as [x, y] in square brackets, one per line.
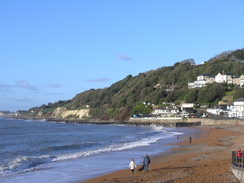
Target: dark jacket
[146, 160]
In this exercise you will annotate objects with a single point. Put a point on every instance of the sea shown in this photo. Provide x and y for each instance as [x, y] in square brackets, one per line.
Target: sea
[38, 151]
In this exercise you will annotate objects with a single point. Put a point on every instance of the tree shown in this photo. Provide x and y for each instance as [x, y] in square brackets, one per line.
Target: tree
[139, 108]
[238, 93]
[212, 93]
[191, 97]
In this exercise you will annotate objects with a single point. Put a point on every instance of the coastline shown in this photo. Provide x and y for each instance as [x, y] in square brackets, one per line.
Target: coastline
[206, 159]
[188, 122]
[171, 123]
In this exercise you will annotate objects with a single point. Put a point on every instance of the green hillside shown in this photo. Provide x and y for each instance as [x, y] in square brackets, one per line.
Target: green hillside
[166, 84]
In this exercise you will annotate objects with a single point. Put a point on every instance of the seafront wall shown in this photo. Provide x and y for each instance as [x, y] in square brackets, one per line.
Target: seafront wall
[238, 172]
[156, 120]
[209, 121]
[203, 121]
[177, 122]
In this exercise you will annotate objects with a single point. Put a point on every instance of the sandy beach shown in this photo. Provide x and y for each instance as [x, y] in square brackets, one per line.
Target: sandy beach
[206, 159]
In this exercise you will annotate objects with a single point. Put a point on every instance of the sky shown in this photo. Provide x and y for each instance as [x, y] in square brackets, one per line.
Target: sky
[51, 50]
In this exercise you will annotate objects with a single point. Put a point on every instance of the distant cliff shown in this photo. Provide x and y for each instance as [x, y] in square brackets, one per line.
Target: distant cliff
[63, 113]
[3, 113]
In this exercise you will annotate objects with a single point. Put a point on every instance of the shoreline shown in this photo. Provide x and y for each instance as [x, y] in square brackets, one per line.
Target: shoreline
[114, 122]
[188, 122]
[195, 162]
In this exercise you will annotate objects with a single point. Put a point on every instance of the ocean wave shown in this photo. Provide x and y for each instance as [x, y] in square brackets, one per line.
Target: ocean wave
[118, 147]
[26, 163]
[158, 128]
[71, 146]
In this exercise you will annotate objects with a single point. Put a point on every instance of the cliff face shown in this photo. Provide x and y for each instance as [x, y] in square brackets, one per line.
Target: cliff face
[63, 113]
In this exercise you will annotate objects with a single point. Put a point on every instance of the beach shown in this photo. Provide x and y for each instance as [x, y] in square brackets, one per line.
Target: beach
[206, 159]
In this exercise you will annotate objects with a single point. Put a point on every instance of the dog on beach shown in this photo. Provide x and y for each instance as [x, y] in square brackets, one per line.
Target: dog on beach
[140, 169]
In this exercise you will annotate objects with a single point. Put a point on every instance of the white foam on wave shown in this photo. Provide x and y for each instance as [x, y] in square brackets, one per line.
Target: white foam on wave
[41, 120]
[119, 147]
[158, 128]
[23, 164]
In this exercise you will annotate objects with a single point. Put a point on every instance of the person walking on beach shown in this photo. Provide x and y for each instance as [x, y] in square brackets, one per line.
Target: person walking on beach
[146, 162]
[190, 139]
[132, 165]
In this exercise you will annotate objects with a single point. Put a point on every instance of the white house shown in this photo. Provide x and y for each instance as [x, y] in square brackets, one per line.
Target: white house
[239, 101]
[214, 111]
[166, 111]
[201, 81]
[197, 84]
[223, 77]
[237, 110]
[187, 105]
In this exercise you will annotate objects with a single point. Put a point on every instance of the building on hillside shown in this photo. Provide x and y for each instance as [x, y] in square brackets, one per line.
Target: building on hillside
[223, 77]
[201, 81]
[239, 81]
[185, 110]
[146, 103]
[219, 109]
[236, 110]
[157, 86]
[166, 112]
[187, 105]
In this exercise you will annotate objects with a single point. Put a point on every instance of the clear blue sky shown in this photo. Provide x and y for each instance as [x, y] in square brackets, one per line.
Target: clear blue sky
[51, 50]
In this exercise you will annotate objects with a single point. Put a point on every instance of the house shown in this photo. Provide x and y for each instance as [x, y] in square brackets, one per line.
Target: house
[201, 81]
[223, 77]
[219, 109]
[204, 77]
[166, 111]
[187, 105]
[157, 86]
[239, 81]
[237, 110]
[239, 101]
[171, 88]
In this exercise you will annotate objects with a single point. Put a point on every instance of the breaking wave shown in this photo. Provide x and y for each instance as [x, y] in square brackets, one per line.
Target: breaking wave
[28, 163]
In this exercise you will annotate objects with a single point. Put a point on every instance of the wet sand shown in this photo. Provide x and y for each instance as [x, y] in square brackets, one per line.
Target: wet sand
[207, 159]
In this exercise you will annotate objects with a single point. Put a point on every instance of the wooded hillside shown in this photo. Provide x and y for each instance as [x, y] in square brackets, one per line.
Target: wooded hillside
[166, 84]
